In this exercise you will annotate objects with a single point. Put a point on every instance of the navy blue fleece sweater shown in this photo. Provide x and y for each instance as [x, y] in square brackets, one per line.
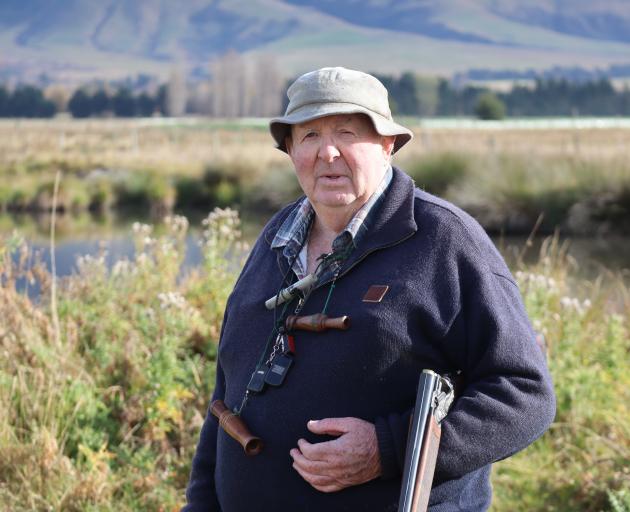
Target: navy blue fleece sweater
[452, 304]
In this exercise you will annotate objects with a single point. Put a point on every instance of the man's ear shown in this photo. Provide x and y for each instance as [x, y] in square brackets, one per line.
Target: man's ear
[388, 144]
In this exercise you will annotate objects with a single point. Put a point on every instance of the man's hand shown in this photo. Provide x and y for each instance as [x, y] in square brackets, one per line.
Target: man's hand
[351, 459]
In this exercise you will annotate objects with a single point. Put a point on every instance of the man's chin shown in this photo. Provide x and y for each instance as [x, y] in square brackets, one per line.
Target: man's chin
[338, 200]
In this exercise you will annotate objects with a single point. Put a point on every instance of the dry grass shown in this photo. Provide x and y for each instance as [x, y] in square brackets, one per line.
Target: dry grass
[186, 148]
[173, 149]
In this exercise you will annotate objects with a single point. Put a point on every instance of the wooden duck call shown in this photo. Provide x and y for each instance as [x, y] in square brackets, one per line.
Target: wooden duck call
[236, 428]
[316, 323]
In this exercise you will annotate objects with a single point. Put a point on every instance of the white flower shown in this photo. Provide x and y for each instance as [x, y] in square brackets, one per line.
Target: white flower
[172, 300]
[140, 229]
[121, 267]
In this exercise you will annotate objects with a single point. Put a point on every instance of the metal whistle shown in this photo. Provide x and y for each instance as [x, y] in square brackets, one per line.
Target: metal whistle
[316, 323]
[236, 428]
[288, 293]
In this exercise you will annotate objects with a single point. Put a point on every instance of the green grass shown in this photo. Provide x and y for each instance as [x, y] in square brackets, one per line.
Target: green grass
[107, 417]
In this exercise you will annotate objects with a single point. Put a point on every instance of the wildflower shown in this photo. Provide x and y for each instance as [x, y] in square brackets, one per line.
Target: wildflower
[91, 265]
[172, 300]
[574, 304]
[142, 260]
[121, 268]
[177, 224]
[140, 229]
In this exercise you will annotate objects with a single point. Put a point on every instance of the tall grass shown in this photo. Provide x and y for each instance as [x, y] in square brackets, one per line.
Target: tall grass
[108, 417]
[582, 463]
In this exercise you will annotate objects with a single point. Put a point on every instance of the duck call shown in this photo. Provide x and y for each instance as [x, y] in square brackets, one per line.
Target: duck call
[316, 323]
[235, 427]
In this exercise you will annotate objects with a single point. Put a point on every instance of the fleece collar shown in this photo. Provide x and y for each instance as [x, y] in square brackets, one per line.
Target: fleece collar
[392, 223]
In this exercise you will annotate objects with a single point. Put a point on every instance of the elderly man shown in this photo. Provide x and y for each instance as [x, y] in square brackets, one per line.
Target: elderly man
[423, 287]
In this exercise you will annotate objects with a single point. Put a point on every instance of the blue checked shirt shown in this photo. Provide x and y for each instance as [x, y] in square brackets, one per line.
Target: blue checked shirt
[294, 232]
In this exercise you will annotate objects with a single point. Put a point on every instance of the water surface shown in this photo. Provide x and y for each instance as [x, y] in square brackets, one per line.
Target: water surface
[88, 235]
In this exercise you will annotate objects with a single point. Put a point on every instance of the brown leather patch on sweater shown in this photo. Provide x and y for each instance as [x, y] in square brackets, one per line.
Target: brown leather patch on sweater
[375, 293]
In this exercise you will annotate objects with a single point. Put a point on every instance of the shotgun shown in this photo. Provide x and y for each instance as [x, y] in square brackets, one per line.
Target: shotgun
[434, 397]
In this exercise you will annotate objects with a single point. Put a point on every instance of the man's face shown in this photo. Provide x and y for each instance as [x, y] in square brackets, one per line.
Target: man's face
[339, 160]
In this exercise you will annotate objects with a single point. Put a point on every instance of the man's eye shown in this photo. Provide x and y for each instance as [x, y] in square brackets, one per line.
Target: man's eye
[310, 135]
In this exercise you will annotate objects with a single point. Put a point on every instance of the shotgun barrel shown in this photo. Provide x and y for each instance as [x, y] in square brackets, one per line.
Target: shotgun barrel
[434, 397]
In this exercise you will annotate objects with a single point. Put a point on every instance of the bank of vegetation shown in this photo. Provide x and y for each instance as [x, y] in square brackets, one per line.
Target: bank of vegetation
[578, 180]
[104, 382]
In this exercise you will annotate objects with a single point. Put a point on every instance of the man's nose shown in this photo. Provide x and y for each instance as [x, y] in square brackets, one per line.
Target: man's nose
[328, 150]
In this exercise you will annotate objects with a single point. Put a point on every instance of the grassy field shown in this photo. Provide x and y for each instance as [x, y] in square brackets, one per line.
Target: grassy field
[104, 383]
[577, 178]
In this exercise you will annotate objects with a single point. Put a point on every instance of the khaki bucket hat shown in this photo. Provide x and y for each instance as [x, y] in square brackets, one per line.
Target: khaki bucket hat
[330, 91]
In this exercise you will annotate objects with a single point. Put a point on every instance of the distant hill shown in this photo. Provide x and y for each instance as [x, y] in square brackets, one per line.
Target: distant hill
[74, 40]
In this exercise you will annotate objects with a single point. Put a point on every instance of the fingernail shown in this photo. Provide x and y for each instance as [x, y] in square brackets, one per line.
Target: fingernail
[313, 422]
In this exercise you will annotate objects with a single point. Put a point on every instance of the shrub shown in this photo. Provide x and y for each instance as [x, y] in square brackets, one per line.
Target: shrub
[489, 107]
[435, 173]
[146, 191]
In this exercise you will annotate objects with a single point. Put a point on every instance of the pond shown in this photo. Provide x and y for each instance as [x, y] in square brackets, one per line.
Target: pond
[82, 235]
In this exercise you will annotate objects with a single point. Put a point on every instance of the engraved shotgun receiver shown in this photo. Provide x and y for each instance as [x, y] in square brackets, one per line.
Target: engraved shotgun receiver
[434, 397]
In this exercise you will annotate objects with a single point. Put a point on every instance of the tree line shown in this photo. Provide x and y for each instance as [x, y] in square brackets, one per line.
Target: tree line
[25, 101]
[123, 103]
[234, 90]
[415, 95]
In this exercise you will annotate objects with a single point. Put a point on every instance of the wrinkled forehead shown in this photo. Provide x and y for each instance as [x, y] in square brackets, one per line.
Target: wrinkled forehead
[359, 121]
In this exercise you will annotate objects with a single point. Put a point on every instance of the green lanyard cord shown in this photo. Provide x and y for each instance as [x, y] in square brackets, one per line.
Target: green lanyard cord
[330, 291]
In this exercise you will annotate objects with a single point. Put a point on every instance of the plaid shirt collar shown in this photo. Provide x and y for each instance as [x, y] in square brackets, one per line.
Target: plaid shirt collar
[294, 230]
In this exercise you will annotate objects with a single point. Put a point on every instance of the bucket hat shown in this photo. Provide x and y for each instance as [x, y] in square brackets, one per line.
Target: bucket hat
[330, 91]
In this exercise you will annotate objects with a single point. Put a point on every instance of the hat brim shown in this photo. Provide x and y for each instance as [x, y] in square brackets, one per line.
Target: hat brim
[280, 127]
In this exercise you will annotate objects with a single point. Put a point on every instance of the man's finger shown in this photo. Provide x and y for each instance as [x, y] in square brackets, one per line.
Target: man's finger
[314, 467]
[330, 426]
[328, 488]
[317, 451]
[319, 480]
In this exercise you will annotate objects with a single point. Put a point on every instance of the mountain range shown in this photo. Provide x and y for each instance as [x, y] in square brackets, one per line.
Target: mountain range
[74, 40]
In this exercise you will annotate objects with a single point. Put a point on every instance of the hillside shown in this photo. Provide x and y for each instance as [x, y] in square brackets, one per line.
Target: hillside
[80, 39]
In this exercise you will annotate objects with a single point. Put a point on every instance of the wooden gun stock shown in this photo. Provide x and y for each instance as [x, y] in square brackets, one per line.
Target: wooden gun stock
[424, 441]
[426, 468]
[236, 428]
